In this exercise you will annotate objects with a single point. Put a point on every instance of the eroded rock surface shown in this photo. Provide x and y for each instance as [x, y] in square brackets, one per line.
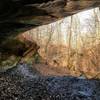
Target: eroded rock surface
[17, 50]
[21, 15]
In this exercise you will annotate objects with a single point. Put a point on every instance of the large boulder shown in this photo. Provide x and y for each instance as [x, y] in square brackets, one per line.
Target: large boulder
[17, 50]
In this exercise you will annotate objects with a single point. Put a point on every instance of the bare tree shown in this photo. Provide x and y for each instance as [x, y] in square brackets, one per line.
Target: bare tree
[69, 42]
[50, 34]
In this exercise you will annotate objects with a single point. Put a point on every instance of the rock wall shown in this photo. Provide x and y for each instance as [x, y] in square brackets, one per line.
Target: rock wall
[21, 15]
[17, 50]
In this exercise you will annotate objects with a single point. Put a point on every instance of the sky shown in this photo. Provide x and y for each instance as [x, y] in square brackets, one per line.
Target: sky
[64, 25]
[83, 16]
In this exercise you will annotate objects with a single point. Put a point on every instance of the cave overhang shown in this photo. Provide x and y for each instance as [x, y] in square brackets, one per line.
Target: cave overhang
[17, 16]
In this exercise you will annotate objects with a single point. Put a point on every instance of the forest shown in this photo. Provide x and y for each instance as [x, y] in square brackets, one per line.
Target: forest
[69, 46]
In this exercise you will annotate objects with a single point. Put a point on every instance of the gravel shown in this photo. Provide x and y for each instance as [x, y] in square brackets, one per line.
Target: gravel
[23, 83]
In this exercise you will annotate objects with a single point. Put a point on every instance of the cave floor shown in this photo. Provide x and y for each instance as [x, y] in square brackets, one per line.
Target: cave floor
[22, 83]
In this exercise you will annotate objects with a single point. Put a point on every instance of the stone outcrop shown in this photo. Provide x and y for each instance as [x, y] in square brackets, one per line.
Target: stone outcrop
[17, 50]
[21, 15]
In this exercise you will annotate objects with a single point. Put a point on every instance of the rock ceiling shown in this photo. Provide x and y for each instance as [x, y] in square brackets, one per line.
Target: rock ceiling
[23, 15]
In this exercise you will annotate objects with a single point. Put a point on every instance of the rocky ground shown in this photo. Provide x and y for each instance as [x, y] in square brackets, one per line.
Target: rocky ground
[24, 83]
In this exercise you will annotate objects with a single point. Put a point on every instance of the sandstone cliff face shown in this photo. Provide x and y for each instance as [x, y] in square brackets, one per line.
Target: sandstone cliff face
[21, 15]
[17, 50]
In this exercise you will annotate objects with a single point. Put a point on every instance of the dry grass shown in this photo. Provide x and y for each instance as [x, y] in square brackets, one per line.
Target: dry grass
[84, 61]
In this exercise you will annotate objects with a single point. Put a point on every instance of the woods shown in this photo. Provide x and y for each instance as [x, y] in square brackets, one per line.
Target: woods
[71, 43]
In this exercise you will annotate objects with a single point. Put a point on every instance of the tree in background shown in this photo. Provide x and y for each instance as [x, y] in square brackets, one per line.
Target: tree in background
[69, 42]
